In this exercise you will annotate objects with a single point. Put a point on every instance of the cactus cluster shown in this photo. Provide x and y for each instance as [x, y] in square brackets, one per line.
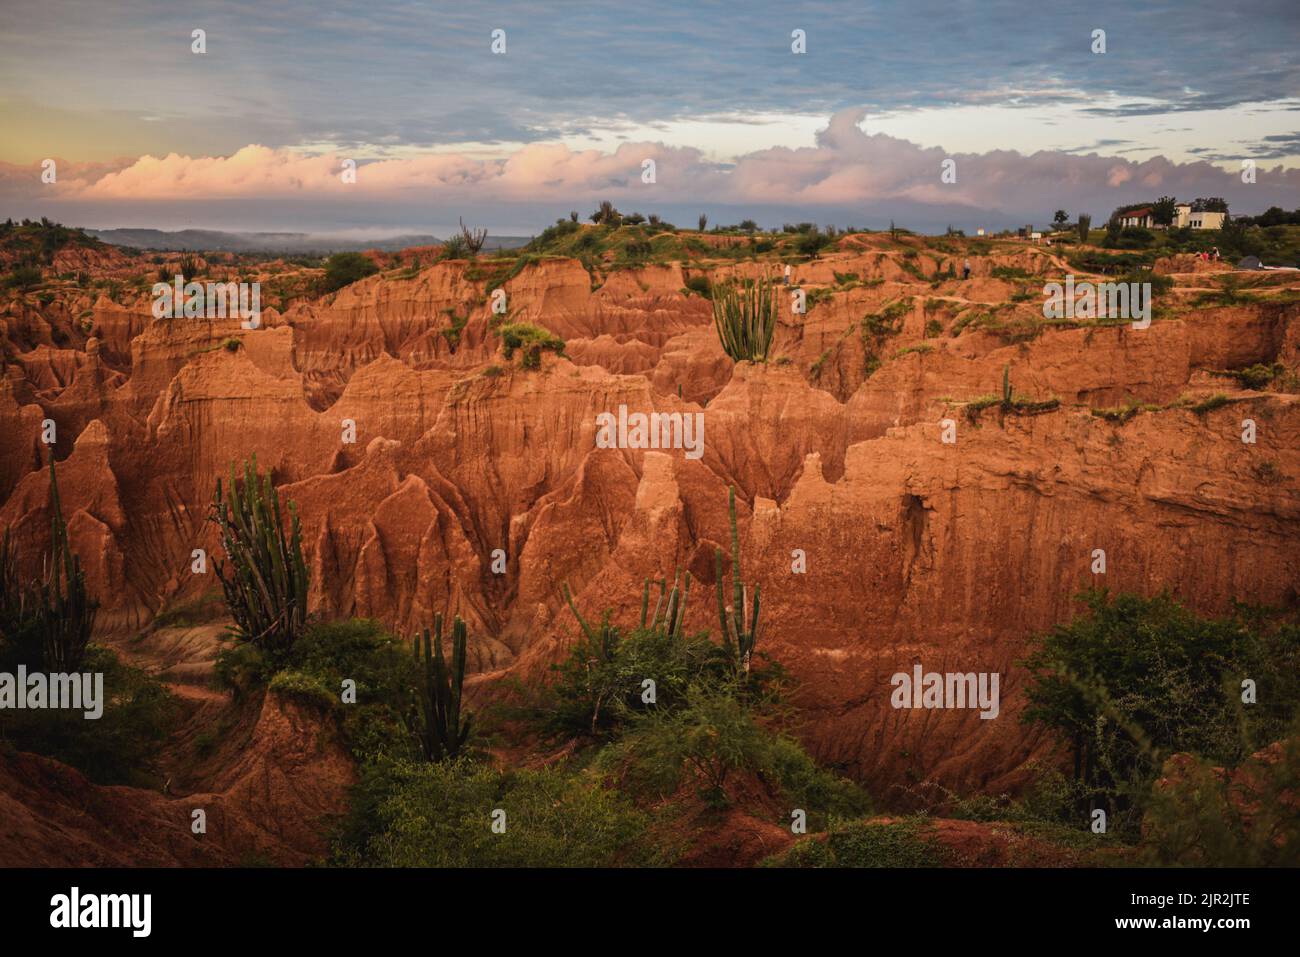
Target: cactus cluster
[738, 639]
[604, 641]
[55, 615]
[673, 618]
[67, 612]
[1007, 402]
[745, 317]
[13, 597]
[266, 590]
[440, 730]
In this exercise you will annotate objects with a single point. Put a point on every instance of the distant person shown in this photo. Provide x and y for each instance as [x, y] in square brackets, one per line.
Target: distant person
[965, 270]
[1216, 254]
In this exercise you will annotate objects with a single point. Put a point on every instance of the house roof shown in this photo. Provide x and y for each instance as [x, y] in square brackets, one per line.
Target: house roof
[1139, 212]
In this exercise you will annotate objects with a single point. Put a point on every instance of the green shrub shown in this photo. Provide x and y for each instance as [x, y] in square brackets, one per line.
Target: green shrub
[530, 340]
[1211, 403]
[385, 673]
[343, 269]
[119, 747]
[304, 688]
[888, 320]
[24, 278]
[242, 667]
[1256, 377]
[813, 242]
[1121, 414]
[921, 348]
[597, 688]
[902, 843]
[700, 285]
[1137, 679]
[441, 815]
[454, 247]
[453, 333]
[713, 738]
[1199, 817]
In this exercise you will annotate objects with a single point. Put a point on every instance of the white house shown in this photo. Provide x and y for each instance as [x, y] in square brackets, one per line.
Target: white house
[1138, 217]
[1184, 218]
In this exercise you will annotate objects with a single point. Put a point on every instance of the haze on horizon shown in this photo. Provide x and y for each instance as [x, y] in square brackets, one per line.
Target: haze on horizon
[253, 133]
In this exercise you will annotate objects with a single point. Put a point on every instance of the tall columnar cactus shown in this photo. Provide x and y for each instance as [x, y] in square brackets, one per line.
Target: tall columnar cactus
[62, 610]
[441, 732]
[1006, 387]
[736, 638]
[266, 590]
[603, 642]
[673, 618]
[745, 317]
[13, 597]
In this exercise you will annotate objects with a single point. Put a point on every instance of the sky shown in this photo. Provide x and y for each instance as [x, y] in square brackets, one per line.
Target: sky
[253, 133]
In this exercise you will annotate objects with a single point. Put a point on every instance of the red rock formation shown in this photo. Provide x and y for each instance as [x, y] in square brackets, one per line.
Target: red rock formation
[917, 550]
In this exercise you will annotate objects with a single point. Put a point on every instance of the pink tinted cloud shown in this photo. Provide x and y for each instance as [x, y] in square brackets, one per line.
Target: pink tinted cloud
[845, 167]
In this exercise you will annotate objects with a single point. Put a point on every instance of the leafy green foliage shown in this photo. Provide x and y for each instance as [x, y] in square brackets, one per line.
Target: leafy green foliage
[343, 269]
[713, 737]
[812, 242]
[1257, 376]
[531, 341]
[902, 843]
[441, 815]
[24, 278]
[312, 672]
[119, 747]
[597, 689]
[1199, 816]
[700, 285]
[1137, 679]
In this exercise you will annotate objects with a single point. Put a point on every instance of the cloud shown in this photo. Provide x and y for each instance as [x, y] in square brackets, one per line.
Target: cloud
[403, 73]
[846, 169]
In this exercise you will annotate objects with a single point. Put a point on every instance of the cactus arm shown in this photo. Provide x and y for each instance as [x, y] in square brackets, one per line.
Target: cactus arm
[654, 622]
[459, 643]
[722, 606]
[737, 585]
[586, 629]
[680, 624]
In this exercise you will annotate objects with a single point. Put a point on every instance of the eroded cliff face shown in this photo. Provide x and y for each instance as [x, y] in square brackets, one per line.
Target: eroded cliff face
[270, 793]
[917, 551]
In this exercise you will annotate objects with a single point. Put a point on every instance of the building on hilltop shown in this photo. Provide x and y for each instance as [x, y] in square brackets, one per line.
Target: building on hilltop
[1187, 218]
[1142, 216]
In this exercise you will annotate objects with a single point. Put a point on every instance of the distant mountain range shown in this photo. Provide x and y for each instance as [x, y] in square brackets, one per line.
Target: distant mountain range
[210, 240]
